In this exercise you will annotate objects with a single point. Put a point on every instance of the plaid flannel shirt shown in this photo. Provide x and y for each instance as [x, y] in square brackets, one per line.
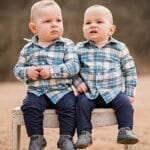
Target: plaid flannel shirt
[63, 61]
[106, 70]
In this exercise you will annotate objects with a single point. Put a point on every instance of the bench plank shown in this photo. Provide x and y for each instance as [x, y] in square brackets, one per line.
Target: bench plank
[100, 117]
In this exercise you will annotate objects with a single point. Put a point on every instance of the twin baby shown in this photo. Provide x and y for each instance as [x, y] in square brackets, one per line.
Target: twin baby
[98, 68]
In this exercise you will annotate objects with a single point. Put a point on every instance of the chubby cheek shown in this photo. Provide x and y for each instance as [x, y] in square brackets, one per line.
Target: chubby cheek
[86, 33]
[61, 31]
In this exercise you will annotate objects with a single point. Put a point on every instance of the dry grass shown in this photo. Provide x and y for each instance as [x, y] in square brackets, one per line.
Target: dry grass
[12, 94]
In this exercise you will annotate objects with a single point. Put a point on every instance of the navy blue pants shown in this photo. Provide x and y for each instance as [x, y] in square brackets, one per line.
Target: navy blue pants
[33, 108]
[121, 104]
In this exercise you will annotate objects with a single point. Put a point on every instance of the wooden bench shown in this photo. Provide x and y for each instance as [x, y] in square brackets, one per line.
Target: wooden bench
[100, 117]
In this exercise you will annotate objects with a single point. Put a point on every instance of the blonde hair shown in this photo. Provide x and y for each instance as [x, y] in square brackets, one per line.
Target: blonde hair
[106, 11]
[40, 4]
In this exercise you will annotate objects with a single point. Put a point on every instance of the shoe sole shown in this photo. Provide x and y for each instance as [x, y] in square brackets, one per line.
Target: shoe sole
[60, 147]
[128, 141]
[83, 146]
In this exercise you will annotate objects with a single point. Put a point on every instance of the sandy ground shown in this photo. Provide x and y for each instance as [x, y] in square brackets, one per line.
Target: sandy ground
[104, 138]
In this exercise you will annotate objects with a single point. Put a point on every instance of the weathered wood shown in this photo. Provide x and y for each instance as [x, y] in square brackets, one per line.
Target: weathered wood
[100, 117]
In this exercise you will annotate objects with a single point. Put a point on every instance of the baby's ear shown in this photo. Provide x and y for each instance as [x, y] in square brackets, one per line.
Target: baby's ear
[112, 30]
[32, 27]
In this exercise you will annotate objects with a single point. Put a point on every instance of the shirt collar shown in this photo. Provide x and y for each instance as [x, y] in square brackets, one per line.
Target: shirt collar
[110, 41]
[34, 40]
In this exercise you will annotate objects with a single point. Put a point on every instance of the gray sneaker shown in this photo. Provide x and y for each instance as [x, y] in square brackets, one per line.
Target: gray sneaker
[65, 143]
[84, 140]
[37, 142]
[126, 136]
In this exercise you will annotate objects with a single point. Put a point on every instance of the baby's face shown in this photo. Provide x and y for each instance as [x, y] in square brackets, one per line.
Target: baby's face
[97, 25]
[49, 23]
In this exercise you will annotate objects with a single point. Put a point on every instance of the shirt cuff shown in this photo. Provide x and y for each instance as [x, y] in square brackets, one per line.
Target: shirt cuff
[77, 82]
[130, 91]
[26, 78]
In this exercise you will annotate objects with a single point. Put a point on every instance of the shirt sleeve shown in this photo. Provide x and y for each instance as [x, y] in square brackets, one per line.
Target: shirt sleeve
[129, 72]
[70, 67]
[20, 68]
[77, 79]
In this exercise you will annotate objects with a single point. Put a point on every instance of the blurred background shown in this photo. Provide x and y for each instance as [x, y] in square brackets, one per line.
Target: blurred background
[132, 19]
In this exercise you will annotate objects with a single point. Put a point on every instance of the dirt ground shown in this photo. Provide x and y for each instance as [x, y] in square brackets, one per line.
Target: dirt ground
[104, 138]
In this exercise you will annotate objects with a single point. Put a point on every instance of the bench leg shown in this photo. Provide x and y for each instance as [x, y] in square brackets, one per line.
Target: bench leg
[128, 147]
[16, 136]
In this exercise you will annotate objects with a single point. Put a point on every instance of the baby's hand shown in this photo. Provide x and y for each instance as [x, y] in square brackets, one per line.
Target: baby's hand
[81, 88]
[33, 72]
[132, 99]
[45, 72]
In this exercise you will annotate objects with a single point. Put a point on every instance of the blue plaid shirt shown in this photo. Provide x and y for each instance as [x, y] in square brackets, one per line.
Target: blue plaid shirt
[63, 61]
[107, 70]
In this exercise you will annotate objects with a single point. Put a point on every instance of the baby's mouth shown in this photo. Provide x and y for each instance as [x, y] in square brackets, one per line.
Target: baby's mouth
[54, 31]
[93, 31]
